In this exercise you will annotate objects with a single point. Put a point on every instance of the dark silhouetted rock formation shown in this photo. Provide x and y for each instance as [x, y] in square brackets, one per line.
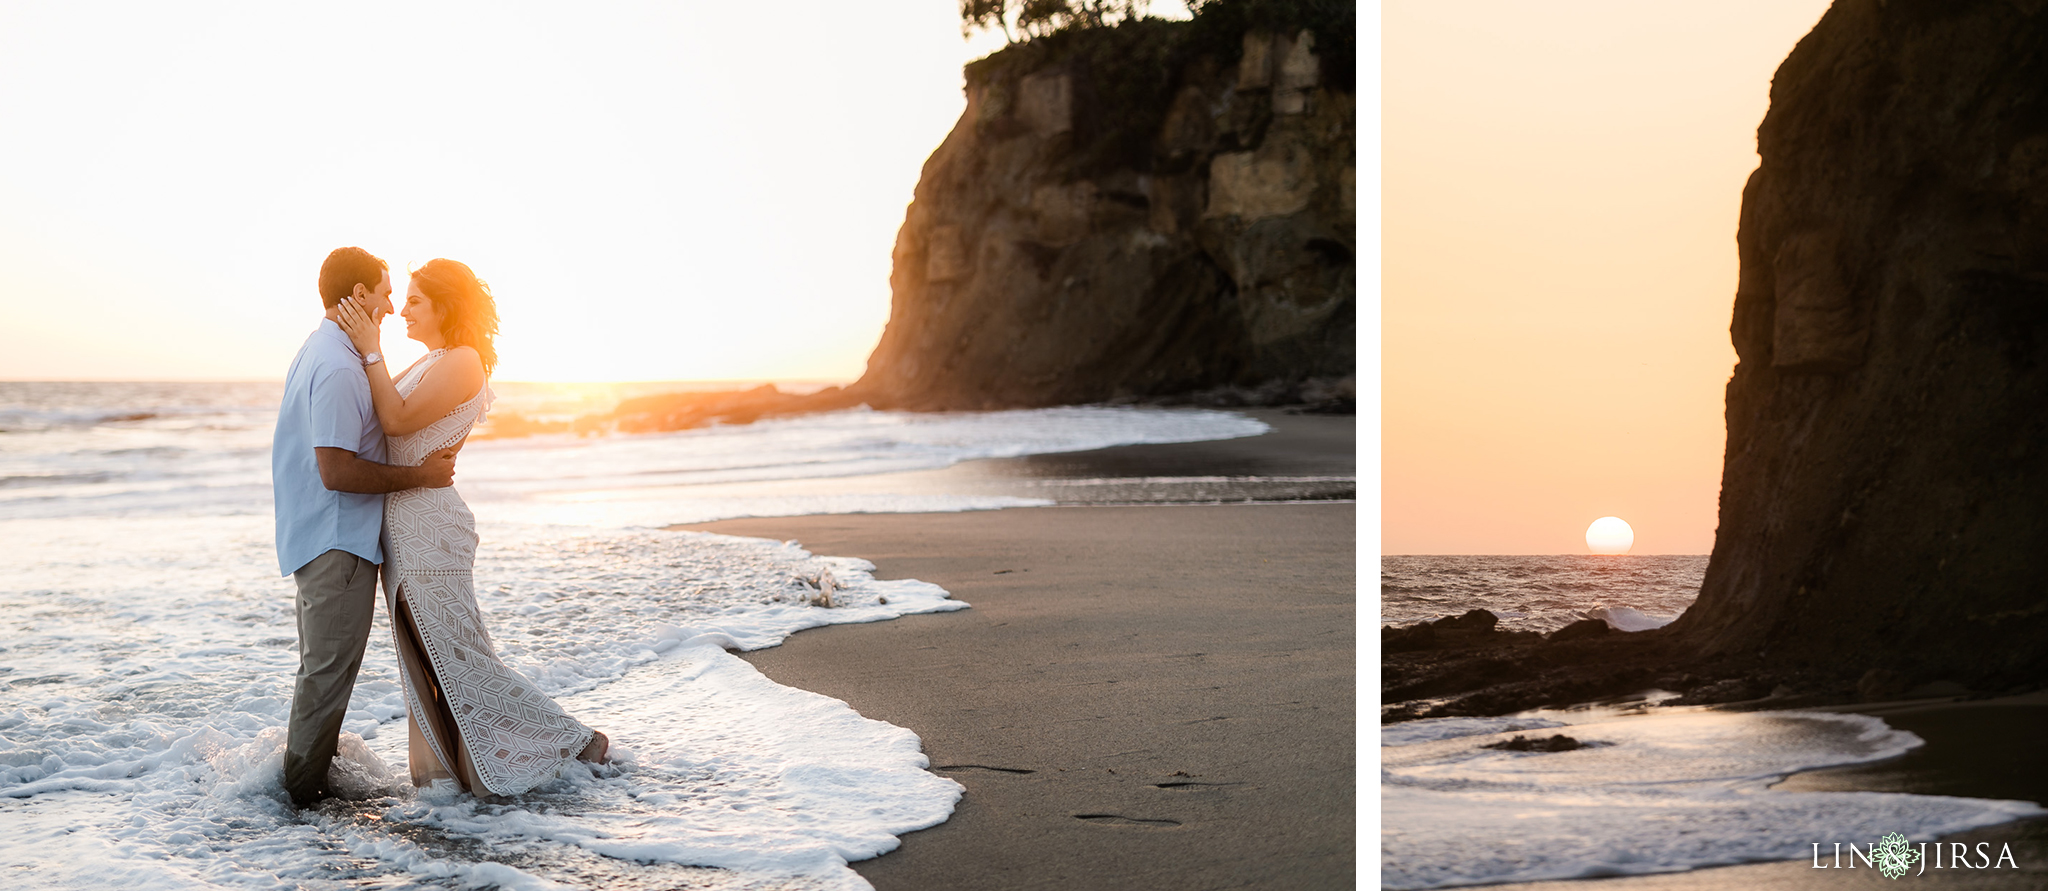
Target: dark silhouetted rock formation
[1121, 213]
[1884, 497]
[1476, 628]
[682, 410]
[1554, 743]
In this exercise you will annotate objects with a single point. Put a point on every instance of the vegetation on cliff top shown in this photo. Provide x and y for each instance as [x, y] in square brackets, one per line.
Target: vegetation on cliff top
[1214, 30]
[1037, 18]
[1127, 66]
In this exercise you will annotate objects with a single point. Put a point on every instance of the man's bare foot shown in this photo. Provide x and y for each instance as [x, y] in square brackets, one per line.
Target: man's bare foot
[599, 751]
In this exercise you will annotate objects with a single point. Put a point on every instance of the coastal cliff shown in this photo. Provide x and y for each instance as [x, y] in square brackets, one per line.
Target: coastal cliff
[1132, 212]
[1154, 211]
[1884, 496]
[1884, 493]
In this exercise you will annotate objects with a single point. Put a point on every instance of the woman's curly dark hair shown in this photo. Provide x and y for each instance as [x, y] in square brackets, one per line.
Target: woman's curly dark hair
[469, 317]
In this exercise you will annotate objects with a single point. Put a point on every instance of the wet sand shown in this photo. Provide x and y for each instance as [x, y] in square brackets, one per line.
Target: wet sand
[1141, 697]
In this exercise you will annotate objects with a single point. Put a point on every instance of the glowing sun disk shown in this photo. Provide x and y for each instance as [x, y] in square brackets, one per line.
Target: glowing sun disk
[1610, 535]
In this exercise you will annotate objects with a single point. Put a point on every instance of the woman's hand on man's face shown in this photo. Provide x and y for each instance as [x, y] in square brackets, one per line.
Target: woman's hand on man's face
[359, 322]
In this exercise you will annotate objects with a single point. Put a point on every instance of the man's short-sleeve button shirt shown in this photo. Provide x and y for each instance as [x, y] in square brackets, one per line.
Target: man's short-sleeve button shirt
[326, 404]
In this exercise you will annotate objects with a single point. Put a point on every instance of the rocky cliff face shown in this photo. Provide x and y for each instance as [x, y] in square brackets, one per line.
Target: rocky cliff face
[1037, 267]
[1884, 502]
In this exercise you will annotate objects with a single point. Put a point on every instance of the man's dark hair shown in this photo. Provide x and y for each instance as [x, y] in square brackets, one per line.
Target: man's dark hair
[346, 268]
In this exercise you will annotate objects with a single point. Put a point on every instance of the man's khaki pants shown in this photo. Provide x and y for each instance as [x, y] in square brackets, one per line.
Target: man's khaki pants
[337, 598]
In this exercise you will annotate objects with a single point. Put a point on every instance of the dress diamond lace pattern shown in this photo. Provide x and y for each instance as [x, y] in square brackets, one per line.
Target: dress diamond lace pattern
[511, 734]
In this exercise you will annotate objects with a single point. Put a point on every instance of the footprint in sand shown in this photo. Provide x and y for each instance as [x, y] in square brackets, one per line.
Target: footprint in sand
[1121, 820]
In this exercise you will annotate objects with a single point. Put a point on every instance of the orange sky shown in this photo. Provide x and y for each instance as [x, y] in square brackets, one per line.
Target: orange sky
[655, 190]
[1561, 183]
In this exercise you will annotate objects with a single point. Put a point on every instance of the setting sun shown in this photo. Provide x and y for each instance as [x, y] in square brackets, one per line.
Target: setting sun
[1546, 225]
[1610, 535]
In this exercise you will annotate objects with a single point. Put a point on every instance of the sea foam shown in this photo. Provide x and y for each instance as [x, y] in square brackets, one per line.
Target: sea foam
[1622, 618]
[1664, 792]
[170, 697]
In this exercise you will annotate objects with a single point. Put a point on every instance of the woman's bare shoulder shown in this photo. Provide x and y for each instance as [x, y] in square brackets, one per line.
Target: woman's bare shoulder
[459, 367]
[462, 360]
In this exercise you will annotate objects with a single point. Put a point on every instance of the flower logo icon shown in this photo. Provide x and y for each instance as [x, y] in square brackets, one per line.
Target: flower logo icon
[1893, 855]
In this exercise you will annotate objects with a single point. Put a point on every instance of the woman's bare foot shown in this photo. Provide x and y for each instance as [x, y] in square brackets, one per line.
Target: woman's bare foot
[599, 751]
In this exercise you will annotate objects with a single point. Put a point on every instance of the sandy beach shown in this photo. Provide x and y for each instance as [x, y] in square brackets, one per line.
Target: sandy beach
[1141, 697]
[1156, 696]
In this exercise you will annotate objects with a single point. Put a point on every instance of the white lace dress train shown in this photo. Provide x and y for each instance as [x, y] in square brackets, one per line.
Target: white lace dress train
[473, 719]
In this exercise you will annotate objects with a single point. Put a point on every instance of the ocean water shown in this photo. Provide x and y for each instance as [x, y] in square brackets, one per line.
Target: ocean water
[1541, 593]
[145, 669]
[143, 449]
[1659, 789]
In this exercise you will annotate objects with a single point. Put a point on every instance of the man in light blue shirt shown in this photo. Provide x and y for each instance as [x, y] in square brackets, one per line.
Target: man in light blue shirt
[328, 474]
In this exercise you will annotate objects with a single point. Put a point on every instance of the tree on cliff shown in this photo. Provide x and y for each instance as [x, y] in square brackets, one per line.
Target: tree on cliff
[1037, 18]
[1218, 27]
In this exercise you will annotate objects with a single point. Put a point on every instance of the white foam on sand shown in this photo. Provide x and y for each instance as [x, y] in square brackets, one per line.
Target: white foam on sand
[1664, 792]
[142, 730]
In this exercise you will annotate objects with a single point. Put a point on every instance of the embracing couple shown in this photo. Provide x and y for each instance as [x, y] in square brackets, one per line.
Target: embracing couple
[363, 467]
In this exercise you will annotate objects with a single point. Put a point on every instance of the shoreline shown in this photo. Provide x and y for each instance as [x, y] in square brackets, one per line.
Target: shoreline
[1977, 748]
[1982, 747]
[1981, 743]
[1138, 698]
[1301, 458]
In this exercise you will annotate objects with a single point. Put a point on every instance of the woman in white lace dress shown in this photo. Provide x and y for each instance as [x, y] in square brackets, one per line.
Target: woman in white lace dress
[474, 720]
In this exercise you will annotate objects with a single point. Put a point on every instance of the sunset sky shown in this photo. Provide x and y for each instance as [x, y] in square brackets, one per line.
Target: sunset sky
[1561, 183]
[654, 190]
[686, 191]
